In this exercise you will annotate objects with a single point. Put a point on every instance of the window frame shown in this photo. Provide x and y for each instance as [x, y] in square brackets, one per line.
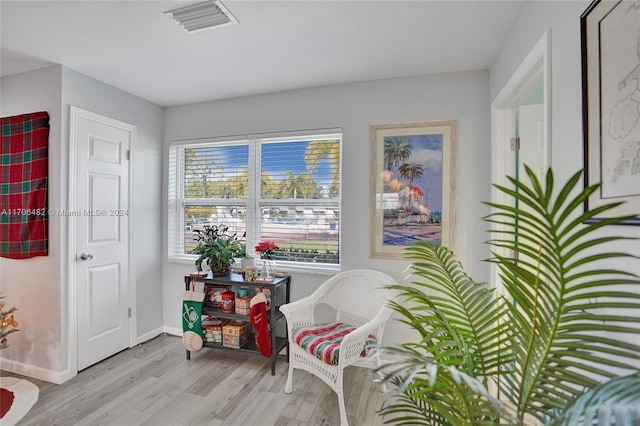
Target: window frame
[177, 201]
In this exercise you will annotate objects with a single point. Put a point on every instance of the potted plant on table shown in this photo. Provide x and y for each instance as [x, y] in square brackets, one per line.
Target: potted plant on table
[218, 248]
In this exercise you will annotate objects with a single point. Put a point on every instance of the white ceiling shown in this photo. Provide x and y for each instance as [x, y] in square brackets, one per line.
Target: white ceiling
[276, 46]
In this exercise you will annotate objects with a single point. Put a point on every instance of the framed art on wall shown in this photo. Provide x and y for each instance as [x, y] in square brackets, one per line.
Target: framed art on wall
[610, 32]
[413, 185]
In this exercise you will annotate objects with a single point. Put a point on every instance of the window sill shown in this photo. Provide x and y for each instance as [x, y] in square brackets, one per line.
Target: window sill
[287, 268]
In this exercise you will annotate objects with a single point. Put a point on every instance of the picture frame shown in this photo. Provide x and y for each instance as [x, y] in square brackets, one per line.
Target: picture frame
[610, 47]
[413, 185]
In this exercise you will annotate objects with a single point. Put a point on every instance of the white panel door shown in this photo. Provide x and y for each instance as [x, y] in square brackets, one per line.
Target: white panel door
[102, 237]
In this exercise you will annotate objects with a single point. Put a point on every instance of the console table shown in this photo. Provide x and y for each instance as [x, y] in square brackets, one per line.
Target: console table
[280, 292]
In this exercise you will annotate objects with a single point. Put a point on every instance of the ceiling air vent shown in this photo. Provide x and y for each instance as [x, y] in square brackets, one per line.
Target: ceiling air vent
[201, 16]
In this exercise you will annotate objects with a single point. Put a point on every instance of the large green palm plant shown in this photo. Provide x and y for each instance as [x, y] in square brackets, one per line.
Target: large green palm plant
[546, 350]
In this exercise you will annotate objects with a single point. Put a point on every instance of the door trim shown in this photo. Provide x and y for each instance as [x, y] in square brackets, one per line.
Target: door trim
[75, 114]
[537, 63]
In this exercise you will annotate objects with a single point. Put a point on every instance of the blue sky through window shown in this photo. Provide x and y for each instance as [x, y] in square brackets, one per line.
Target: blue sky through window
[277, 158]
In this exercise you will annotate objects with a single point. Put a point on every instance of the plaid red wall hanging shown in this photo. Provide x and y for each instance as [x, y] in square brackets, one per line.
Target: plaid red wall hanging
[23, 185]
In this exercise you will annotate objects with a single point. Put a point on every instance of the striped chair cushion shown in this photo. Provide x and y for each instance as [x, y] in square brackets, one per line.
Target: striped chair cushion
[323, 341]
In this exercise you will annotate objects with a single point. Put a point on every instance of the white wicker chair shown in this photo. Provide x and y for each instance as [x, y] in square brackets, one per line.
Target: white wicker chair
[360, 300]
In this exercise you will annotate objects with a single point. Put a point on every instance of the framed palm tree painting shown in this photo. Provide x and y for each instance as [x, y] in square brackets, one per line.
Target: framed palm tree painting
[412, 185]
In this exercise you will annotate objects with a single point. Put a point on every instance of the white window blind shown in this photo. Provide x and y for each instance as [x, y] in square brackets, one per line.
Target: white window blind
[300, 198]
[284, 189]
[210, 184]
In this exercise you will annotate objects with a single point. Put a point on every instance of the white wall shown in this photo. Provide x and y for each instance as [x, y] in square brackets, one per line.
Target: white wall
[354, 107]
[39, 286]
[34, 285]
[563, 19]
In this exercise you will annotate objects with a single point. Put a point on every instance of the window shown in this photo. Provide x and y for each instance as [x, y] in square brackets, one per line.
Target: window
[282, 189]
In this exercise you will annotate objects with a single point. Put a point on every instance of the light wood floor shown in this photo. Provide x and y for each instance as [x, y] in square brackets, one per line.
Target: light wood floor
[153, 384]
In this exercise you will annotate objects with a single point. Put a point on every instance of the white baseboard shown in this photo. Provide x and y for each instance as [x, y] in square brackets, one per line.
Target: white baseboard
[148, 336]
[15, 367]
[173, 331]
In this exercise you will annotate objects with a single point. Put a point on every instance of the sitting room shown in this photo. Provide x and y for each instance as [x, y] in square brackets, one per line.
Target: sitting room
[216, 212]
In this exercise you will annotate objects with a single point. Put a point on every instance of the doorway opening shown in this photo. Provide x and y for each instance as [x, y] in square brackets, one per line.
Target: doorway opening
[521, 126]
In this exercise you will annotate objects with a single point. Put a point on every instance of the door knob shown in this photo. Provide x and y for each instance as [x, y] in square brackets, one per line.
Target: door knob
[86, 256]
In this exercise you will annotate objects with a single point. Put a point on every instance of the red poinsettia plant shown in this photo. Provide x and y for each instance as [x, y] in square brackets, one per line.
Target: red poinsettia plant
[265, 249]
